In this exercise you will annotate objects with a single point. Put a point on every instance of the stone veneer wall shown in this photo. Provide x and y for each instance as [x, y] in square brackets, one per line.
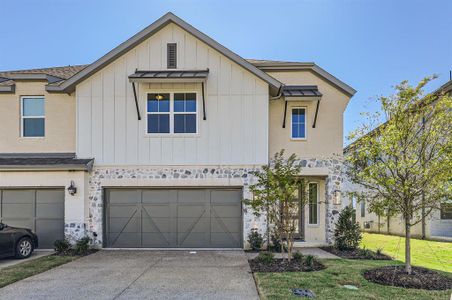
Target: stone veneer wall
[196, 176]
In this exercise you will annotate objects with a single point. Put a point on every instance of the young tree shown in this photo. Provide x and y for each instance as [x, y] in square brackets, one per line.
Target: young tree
[408, 156]
[275, 193]
[347, 233]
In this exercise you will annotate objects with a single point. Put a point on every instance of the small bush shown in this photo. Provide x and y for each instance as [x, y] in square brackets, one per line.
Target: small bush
[82, 246]
[265, 257]
[298, 256]
[347, 234]
[310, 260]
[379, 251]
[62, 247]
[255, 239]
[275, 245]
[366, 253]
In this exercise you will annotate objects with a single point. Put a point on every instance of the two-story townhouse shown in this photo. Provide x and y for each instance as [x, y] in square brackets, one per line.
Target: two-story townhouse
[152, 145]
[436, 225]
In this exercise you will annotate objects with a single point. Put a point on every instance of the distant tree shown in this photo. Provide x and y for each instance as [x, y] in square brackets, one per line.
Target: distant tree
[406, 157]
[276, 193]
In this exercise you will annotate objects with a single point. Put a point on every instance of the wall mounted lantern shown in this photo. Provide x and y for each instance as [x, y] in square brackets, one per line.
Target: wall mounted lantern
[72, 189]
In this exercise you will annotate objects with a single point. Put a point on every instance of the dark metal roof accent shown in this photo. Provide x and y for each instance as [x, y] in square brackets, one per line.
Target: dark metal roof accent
[136, 101]
[301, 91]
[170, 74]
[44, 161]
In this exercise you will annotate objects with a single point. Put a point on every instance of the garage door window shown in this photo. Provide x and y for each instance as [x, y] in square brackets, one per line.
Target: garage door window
[171, 113]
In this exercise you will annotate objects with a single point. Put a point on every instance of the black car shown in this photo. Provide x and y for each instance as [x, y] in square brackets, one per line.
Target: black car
[18, 242]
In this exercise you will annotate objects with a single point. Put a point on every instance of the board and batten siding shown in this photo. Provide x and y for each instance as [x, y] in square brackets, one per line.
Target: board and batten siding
[236, 129]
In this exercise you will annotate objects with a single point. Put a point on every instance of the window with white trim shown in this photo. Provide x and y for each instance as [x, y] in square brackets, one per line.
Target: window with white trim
[32, 113]
[298, 129]
[313, 206]
[172, 113]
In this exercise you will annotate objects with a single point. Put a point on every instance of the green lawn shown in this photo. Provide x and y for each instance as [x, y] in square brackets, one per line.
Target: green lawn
[327, 284]
[26, 269]
[429, 254]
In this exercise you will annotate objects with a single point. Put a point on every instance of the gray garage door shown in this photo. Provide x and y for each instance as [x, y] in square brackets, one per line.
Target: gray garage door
[41, 210]
[173, 218]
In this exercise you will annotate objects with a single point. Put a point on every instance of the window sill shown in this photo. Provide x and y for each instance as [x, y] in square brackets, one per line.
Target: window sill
[32, 137]
[173, 135]
[298, 139]
[313, 225]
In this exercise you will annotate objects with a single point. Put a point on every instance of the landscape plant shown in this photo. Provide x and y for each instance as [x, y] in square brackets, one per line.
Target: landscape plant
[405, 164]
[255, 239]
[347, 233]
[276, 194]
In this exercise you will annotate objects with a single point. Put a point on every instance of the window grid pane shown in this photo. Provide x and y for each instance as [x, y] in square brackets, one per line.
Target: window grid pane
[33, 107]
[33, 127]
[298, 123]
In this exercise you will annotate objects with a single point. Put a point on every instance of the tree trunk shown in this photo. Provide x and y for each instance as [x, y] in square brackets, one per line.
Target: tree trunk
[379, 223]
[388, 231]
[423, 216]
[407, 246]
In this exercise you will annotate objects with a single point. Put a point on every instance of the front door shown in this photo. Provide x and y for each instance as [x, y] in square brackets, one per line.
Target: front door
[299, 215]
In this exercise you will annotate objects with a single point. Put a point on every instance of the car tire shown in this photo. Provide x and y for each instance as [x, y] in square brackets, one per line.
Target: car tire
[24, 248]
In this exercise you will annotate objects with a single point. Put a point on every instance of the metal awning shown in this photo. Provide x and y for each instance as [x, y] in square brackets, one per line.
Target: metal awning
[301, 93]
[169, 76]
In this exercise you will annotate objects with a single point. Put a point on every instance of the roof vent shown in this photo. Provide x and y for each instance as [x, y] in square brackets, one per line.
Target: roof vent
[172, 55]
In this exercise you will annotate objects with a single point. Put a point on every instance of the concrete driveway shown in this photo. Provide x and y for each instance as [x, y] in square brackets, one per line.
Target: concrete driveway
[143, 275]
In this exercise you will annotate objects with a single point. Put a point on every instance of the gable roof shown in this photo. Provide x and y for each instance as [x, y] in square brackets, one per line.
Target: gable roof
[69, 85]
[276, 65]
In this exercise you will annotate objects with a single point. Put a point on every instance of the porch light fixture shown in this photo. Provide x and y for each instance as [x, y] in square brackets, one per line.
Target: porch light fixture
[337, 197]
[72, 189]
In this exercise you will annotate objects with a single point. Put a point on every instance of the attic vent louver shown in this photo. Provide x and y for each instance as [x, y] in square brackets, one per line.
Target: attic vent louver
[172, 55]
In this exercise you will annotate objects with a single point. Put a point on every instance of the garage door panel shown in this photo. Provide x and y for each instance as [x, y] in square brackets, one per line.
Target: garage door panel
[124, 196]
[126, 224]
[159, 196]
[49, 210]
[189, 211]
[192, 196]
[151, 240]
[226, 224]
[50, 196]
[157, 225]
[226, 211]
[49, 231]
[124, 240]
[14, 210]
[23, 222]
[193, 225]
[18, 196]
[158, 210]
[177, 218]
[225, 240]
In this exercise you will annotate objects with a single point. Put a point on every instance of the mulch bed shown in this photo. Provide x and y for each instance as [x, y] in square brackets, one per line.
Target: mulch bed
[420, 278]
[280, 265]
[357, 254]
[71, 252]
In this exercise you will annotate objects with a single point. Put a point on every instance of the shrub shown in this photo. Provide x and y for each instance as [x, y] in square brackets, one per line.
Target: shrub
[310, 260]
[379, 251]
[298, 256]
[275, 245]
[82, 246]
[255, 239]
[265, 257]
[62, 247]
[347, 234]
[366, 253]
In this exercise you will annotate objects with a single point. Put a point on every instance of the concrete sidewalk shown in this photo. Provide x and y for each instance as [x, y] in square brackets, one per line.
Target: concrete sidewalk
[143, 275]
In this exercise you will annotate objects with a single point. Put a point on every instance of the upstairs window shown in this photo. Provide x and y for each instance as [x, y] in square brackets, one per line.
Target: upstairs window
[171, 55]
[32, 113]
[172, 113]
[298, 123]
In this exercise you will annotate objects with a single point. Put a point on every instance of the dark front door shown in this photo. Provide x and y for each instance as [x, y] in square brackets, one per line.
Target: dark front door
[173, 218]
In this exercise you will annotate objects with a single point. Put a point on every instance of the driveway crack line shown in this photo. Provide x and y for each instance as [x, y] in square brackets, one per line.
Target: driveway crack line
[135, 280]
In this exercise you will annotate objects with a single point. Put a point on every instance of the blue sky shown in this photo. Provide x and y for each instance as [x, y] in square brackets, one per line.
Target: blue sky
[369, 44]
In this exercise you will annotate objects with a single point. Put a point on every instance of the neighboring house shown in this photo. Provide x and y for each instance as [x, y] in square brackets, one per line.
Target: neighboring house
[438, 225]
[152, 145]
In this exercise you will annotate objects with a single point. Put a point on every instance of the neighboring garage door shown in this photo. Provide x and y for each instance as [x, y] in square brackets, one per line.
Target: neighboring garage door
[41, 210]
[173, 218]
